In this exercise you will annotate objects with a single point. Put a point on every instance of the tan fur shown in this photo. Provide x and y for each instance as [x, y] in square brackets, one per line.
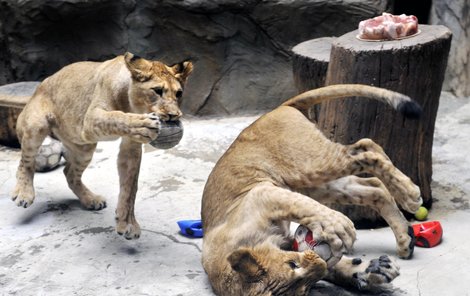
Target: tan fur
[87, 102]
[282, 169]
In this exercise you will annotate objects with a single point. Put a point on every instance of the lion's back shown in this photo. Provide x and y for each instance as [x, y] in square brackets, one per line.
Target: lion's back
[71, 82]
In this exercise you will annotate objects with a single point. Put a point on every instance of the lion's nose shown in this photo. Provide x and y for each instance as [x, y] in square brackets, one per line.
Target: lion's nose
[174, 115]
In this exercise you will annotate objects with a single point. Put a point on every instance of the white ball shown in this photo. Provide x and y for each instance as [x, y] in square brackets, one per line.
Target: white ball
[323, 250]
[49, 155]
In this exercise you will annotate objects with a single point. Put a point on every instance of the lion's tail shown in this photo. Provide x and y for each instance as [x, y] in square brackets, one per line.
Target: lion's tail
[399, 102]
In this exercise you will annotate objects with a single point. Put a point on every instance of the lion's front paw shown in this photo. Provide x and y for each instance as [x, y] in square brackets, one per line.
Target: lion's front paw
[93, 202]
[337, 230]
[376, 275]
[145, 128]
[130, 229]
[23, 197]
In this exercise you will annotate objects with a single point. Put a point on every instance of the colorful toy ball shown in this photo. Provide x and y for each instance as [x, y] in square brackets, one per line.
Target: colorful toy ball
[303, 240]
[191, 228]
[421, 214]
[428, 234]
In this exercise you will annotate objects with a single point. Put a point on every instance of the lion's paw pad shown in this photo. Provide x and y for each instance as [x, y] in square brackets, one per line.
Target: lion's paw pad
[377, 275]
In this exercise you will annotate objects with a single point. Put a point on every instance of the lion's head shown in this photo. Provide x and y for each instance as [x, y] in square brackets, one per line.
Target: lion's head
[270, 271]
[157, 87]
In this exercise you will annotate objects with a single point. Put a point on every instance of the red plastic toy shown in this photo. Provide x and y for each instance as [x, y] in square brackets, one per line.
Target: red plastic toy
[428, 234]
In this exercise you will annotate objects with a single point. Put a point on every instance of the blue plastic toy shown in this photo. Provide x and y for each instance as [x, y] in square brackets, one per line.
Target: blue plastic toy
[191, 228]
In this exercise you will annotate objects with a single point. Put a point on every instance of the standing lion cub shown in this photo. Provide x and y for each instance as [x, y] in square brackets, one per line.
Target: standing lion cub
[87, 102]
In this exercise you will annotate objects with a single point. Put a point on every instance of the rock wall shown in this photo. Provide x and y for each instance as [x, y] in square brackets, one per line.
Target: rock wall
[455, 14]
[241, 48]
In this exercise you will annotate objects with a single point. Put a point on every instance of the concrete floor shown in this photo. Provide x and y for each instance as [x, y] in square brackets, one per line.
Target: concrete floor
[57, 248]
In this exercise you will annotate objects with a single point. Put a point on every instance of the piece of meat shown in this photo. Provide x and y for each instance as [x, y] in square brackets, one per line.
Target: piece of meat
[388, 27]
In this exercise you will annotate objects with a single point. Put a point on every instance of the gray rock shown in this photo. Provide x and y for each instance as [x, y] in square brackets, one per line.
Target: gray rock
[455, 14]
[240, 48]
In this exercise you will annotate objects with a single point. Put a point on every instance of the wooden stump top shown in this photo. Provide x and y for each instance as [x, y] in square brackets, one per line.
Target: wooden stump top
[16, 95]
[310, 62]
[319, 48]
[428, 33]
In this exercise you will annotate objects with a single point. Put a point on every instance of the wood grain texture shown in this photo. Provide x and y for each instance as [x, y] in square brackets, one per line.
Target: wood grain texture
[310, 61]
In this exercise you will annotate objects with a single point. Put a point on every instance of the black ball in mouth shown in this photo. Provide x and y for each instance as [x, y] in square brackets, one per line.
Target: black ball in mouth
[171, 133]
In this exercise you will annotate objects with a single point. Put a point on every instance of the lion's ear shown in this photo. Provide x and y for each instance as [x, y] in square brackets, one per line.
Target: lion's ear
[182, 70]
[140, 68]
[244, 262]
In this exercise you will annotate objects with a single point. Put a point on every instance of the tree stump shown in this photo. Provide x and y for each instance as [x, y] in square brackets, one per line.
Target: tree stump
[310, 64]
[413, 66]
[13, 97]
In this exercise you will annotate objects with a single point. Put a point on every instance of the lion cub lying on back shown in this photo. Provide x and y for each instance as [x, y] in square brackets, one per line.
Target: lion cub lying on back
[87, 102]
[282, 169]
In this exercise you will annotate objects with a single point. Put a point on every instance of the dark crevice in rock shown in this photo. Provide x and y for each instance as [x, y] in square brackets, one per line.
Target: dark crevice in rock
[276, 44]
[209, 96]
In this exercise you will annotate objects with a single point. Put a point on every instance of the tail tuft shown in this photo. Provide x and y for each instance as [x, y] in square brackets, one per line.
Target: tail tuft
[410, 109]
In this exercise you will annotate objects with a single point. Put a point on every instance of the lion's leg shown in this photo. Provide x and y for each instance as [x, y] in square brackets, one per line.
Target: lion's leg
[129, 158]
[102, 125]
[78, 158]
[372, 193]
[368, 157]
[275, 204]
[32, 128]
[371, 276]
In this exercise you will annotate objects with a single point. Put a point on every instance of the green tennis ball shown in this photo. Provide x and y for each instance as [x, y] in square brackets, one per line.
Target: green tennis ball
[421, 214]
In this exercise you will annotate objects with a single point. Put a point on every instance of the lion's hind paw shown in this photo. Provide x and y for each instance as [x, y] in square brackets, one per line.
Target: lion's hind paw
[377, 275]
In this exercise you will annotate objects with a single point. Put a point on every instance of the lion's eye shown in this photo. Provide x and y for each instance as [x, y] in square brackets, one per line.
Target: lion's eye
[293, 264]
[158, 91]
[179, 94]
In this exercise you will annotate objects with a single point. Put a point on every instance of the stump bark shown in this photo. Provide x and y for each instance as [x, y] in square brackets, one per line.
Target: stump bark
[414, 66]
[13, 97]
[8, 136]
[310, 63]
